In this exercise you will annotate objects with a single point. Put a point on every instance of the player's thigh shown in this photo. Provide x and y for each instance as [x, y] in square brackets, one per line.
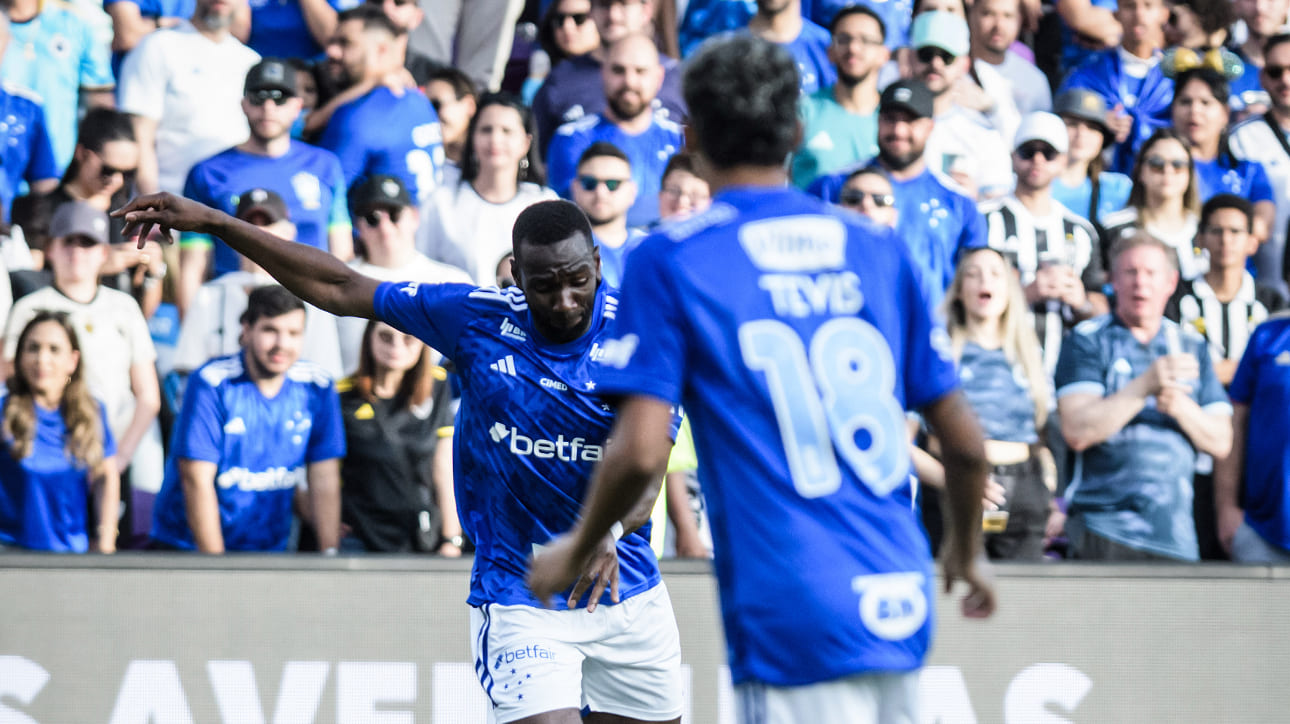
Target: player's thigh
[635, 670]
[525, 664]
[884, 698]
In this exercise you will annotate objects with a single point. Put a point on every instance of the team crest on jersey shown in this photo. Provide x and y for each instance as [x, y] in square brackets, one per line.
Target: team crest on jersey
[893, 606]
[308, 190]
[60, 47]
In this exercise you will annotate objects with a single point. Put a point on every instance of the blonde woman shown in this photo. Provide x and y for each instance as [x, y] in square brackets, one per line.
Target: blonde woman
[56, 447]
[1002, 373]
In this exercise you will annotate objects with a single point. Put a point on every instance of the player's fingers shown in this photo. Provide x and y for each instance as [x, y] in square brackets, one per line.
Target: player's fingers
[613, 588]
[579, 588]
[598, 590]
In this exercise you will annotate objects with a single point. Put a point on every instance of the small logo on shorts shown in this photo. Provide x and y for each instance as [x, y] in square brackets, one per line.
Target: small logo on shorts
[536, 653]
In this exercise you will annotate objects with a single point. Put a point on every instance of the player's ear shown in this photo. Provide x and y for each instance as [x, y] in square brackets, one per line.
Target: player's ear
[595, 254]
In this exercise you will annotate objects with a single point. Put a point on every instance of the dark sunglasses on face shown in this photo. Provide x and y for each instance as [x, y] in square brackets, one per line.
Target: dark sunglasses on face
[1030, 150]
[1157, 163]
[578, 19]
[260, 97]
[373, 217]
[106, 172]
[1276, 71]
[855, 197]
[927, 53]
[589, 183]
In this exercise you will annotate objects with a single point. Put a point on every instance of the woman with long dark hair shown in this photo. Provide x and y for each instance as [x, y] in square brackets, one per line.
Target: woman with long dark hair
[56, 449]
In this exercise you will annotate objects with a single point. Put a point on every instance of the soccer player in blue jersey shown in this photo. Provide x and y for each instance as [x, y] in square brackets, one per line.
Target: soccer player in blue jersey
[255, 426]
[796, 336]
[529, 431]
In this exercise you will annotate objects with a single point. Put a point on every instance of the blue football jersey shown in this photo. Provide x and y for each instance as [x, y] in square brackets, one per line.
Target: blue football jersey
[28, 154]
[262, 448]
[1262, 381]
[44, 497]
[1228, 175]
[308, 179]
[384, 133]
[796, 335]
[529, 431]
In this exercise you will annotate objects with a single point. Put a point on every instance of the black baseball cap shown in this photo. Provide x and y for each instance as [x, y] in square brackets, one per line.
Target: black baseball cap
[271, 74]
[909, 95]
[379, 190]
[1086, 106]
[261, 201]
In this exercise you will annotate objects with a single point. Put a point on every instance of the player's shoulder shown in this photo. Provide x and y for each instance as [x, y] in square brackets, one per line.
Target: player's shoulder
[309, 373]
[220, 370]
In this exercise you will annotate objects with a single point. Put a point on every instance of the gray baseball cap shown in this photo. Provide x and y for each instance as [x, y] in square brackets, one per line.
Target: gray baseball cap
[78, 218]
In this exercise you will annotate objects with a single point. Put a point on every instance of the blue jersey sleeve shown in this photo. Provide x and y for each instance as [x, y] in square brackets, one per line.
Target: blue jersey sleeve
[202, 420]
[42, 164]
[648, 355]
[1079, 367]
[327, 435]
[434, 313]
[1247, 371]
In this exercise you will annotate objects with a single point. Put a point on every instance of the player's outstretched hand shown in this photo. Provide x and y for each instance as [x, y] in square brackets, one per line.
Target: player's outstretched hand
[600, 571]
[560, 564]
[165, 212]
[979, 601]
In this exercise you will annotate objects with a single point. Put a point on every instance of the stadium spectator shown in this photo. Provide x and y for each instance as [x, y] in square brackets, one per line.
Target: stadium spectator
[455, 101]
[632, 76]
[398, 415]
[1129, 79]
[1263, 19]
[1057, 253]
[28, 153]
[56, 463]
[468, 223]
[1087, 27]
[293, 28]
[117, 352]
[1262, 138]
[1164, 201]
[995, 26]
[1250, 484]
[575, 88]
[676, 342]
[407, 17]
[567, 31]
[182, 85]
[473, 35]
[870, 192]
[213, 328]
[307, 178]
[1084, 186]
[1138, 398]
[1224, 307]
[1002, 372]
[523, 467]
[604, 191]
[134, 19]
[966, 148]
[53, 52]
[1200, 115]
[373, 128]
[781, 22]
[386, 220]
[684, 192]
[306, 90]
[255, 426]
[840, 122]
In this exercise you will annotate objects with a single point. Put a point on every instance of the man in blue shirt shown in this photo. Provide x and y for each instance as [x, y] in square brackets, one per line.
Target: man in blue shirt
[530, 428]
[1137, 398]
[604, 191]
[309, 180]
[796, 335]
[632, 77]
[255, 426]
[382, 132]
[28, 154]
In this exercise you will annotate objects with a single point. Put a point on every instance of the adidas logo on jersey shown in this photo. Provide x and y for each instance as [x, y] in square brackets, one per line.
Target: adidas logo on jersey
[575, 450]
[505, 365]
[510, 331]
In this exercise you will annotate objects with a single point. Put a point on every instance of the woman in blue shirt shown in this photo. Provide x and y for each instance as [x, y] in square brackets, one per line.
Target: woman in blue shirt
[56, 447]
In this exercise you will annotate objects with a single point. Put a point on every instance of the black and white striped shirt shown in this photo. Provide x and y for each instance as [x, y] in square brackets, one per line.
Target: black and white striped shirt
[1225, 325]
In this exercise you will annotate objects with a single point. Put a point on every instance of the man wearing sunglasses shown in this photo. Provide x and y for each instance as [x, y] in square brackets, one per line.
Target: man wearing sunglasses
[1053, 249]
[604, 190]
[308, 179]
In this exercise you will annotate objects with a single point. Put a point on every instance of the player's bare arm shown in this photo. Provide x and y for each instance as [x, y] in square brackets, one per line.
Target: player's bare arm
[314, 275]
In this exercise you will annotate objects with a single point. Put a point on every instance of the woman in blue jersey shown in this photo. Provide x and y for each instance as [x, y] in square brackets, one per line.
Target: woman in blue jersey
[56, 448]
[1084, 186]
[397, 472]
[1002, 373]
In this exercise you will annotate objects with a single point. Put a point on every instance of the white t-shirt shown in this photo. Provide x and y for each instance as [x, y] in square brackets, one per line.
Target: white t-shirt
[1005, 117]
[420, 269]
[113, 336]
[213, 324]
[1030, 89]
[459, 227]
[192, 87]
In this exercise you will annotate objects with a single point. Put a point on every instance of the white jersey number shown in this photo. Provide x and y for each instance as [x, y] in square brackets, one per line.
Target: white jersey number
[836, 401]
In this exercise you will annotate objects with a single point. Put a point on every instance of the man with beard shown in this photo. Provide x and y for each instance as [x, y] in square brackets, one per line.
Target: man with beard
[632, 78]
[308, 179]
[995, 25]
[183, 112]
[839, 123]
[936, 222]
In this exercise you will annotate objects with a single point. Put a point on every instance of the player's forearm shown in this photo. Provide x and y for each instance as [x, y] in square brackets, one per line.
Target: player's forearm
[324, 498]
[202, 505]
[107, 501]
[966, 468]
[1229, 468]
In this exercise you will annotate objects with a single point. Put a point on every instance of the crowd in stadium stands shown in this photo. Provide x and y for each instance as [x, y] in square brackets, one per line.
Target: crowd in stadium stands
[1098, 194]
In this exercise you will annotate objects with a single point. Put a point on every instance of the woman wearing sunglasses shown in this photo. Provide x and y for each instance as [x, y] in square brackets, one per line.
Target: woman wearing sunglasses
[869, 193]
[501, 175]
[1164, 202]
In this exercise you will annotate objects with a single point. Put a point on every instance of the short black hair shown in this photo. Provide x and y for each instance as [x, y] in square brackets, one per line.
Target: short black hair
[857, 10]
[461, 83]
[269, 301]
[1274, 41]
[373, 17]
[1218, 202]
[550, 222]
[601, 149]
[680, 161]
[742, 94]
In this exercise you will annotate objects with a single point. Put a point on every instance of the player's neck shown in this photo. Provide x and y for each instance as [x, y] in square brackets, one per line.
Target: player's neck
[781, 27]
[1226, 282]
[272, 147]
[1037, 201]
[773, 176]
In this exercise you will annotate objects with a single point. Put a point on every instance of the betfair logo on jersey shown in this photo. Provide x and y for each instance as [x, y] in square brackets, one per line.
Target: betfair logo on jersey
[575, 450]
[510, 331]
[271, 479]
